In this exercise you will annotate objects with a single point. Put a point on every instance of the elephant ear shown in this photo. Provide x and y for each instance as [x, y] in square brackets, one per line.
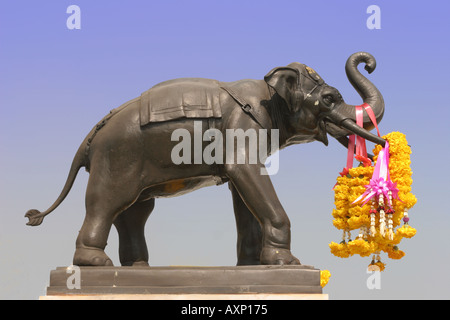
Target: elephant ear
[286, 82]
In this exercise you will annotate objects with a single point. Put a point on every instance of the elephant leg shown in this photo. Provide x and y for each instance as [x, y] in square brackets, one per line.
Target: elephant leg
[257, 192]
[130, 226]
[249, 235]
[104, 201]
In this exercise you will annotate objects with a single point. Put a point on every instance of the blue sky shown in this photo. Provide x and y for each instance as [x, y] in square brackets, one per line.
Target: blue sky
[56, 83]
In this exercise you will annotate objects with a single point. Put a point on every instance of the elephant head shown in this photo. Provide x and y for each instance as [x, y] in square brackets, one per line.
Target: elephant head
[315, 108]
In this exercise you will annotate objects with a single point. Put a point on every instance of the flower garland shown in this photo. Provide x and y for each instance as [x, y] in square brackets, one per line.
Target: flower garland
[374, 200]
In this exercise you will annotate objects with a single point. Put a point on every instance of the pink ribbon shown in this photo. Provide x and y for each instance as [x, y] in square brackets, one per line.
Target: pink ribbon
[371, 115]
[361, 149]
[359, 142]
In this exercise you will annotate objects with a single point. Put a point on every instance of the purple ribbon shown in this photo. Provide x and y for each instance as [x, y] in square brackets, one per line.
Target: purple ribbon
[378, 187]
[381, 183]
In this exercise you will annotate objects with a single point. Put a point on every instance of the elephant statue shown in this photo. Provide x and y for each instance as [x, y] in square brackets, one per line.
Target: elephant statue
[129, 155]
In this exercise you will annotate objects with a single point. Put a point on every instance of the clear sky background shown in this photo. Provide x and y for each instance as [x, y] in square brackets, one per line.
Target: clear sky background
[56, 83]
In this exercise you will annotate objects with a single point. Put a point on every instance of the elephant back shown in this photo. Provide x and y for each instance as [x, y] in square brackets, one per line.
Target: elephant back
[181, 98]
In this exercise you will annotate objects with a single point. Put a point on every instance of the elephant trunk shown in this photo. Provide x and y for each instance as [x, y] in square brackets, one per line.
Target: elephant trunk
[369, 93]
[353, 127]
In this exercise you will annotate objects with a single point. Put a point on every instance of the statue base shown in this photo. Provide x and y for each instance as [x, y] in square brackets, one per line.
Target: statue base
[185, 283]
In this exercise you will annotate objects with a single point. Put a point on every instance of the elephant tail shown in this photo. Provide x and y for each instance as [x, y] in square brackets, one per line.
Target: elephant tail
[35, 216]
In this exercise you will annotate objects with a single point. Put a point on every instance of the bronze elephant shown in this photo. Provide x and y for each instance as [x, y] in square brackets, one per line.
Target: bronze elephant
[129, 155]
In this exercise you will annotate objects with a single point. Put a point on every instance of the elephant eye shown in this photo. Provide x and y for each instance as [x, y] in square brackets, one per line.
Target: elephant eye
[328, 99]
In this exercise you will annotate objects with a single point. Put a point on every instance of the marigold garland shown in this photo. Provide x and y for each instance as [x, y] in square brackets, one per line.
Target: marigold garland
[377, 220]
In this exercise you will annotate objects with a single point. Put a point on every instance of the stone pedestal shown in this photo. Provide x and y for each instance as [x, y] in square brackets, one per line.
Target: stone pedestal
[180, 283]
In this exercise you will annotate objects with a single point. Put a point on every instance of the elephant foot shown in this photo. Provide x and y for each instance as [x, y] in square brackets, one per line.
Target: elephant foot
[248, 262]
[140, 264]
[277, 256]
[85, 256]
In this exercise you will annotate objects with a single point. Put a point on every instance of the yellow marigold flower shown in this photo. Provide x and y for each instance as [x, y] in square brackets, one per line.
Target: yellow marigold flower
[340, 196]
[406, 231]
[341, 213]
[361, 172]
[335, 213]
[397, 239]
[361, 247]
[381, 265]
[410, 200]
[339, 250]
[395, 253]
[324, 277]
[357, 222]
[340, 224]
